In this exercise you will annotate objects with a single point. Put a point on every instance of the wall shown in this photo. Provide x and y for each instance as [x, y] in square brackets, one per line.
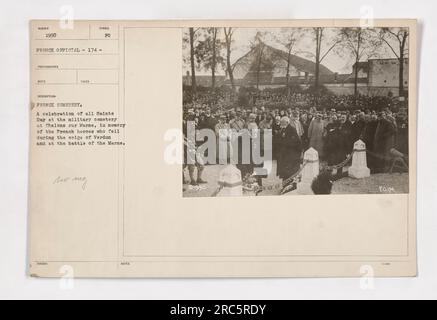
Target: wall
[345, 89]
[385, 73]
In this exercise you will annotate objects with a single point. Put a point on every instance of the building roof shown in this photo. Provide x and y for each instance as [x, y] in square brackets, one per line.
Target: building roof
[300, 63]
[266, 59]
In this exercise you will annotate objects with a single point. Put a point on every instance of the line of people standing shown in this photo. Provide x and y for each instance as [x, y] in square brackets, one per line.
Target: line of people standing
[331, 133]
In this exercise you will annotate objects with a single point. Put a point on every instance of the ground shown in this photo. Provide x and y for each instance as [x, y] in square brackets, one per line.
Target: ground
[210, 174]
[375, 184]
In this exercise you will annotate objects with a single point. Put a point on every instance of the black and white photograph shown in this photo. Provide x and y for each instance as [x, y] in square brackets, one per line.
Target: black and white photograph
[295, 111]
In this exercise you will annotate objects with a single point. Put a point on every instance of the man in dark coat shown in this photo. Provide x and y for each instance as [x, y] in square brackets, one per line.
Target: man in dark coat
[207, 121]
[402, 134]
[276, 129]
[357, 128]
[369, 131]
[345, 144]
[290, 150]
[384, 140]
[368, 138]
[333, 142]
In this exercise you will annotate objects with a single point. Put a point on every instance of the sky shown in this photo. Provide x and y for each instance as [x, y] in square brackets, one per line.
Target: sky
[338, 60]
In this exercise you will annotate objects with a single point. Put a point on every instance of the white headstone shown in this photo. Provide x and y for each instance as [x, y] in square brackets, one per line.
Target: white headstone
[359, 169]
[309, 172]
[272, 184]
[230, 180]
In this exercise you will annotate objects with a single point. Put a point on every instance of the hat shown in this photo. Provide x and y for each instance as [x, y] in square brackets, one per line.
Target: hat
[285, 119]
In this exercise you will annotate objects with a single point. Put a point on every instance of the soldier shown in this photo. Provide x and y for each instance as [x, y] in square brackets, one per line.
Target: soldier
[192, 160]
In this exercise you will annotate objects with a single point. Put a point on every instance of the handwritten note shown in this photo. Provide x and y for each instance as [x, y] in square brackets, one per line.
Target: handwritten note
[81, 181]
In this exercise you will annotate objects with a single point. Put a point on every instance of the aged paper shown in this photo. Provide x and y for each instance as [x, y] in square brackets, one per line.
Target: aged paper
[108, 199]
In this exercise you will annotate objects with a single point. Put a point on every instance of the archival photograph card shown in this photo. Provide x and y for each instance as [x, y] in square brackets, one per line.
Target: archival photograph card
[270, 148]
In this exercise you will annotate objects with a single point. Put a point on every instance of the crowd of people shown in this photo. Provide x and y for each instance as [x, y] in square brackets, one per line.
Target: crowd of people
[305, 100]
[331, 131]
[280, 98]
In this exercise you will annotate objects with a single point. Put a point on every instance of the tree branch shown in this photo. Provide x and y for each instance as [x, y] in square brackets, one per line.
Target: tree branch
[389, 45]
[326, 53]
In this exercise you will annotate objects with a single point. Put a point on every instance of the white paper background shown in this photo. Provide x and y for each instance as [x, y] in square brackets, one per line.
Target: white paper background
[14, 93]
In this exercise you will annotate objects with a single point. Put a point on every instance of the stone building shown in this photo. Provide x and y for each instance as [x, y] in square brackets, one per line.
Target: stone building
[376, 77]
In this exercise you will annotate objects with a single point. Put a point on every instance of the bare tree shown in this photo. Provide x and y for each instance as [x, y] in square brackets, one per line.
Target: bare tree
[320, 52]
[260, 59]
[208, 51]
[288, 39]
[361, 43]
[214, 50]
[228, 41]
[192, 63]
[259, 47]
[397, 36]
